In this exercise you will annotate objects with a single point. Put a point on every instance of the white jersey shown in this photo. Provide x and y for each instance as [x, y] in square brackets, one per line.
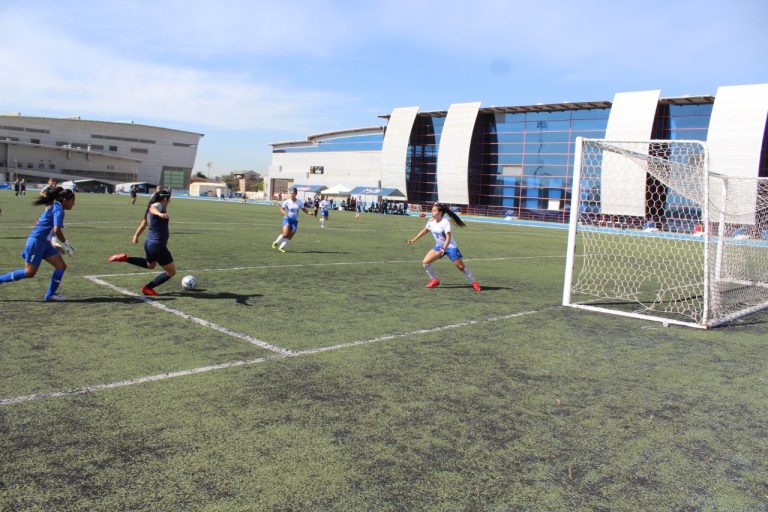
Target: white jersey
[440, 230]
[324, 204]
[292, 208]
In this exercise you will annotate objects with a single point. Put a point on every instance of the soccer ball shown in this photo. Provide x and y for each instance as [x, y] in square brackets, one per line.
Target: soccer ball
[189, 282]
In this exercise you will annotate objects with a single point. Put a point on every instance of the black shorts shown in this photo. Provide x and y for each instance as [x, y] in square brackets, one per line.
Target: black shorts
[158, 253]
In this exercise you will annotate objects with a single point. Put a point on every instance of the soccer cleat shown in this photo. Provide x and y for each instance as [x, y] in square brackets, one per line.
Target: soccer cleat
[55, 297]
[476, 286]
[149, 291]
[118, 258]
[281, 249]
[433, 283]
[274, 245]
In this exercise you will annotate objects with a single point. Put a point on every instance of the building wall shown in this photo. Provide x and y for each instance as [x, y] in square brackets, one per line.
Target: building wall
[520, 159]
[351, 169]
[38, 163]
[160, 152]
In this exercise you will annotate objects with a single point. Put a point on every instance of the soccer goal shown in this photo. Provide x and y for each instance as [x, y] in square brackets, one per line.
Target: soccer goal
[655, 234]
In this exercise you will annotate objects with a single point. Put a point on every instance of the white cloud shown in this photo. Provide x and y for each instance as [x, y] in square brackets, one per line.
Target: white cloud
[51, 71]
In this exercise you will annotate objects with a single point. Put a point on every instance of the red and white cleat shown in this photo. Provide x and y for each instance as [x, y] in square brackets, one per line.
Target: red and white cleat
[433, 283]
[118, 258]
[476, 286]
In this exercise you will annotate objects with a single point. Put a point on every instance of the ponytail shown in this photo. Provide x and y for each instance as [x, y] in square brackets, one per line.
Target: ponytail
[445, 210]
[52, 195]
[157, 196]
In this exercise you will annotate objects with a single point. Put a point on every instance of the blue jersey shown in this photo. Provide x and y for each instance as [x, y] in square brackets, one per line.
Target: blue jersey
[158, 227]
[52, 216]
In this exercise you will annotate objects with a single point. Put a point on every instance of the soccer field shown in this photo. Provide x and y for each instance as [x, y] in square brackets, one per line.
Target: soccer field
[329, 378]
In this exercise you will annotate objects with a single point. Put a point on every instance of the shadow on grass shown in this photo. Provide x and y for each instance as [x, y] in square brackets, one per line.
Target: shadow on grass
[202, 294]
[197, 294]
[87, 300]
[482, 286]
[319, 252]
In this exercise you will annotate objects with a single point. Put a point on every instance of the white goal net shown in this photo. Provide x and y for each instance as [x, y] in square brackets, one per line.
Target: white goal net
[655, 234]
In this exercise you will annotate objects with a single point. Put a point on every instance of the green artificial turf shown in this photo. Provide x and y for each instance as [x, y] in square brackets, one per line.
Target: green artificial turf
[502, 400]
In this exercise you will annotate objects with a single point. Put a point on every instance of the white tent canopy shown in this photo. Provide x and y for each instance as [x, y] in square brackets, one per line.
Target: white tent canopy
[337, 190]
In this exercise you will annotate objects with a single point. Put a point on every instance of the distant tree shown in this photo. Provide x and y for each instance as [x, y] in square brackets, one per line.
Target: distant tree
[199, 174]
[232, 182]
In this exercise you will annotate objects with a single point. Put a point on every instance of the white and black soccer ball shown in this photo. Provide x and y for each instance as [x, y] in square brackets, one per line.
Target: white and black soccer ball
[189, 282]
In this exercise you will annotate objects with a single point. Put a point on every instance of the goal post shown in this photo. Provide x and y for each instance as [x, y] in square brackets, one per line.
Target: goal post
[655, 234]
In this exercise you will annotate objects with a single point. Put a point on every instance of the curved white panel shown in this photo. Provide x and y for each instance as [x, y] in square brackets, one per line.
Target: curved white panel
[736, 129]
[453, 155]
[394, 150]
[631, 118]
[735, 142]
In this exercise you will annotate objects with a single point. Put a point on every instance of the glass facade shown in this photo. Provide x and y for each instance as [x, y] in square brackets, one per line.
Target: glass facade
[682, 122]
[175, 177]
[371, 142]
[521, 158]
[519, 163]
[421, 160]
[676, 122]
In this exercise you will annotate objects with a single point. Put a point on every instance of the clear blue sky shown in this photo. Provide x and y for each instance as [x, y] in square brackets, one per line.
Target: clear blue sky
[250, 72]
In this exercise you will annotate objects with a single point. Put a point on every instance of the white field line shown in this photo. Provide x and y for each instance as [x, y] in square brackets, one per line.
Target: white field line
[194, 319]
[130, 382]
[282, 355]
[420, 331]
[341, 263]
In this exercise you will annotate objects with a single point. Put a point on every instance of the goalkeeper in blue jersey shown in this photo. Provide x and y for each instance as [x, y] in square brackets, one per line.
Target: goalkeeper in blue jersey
[156, 244]
[47, 241]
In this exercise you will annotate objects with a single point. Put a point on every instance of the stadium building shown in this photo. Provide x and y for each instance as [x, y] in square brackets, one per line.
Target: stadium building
[518, 160]
[35, 148]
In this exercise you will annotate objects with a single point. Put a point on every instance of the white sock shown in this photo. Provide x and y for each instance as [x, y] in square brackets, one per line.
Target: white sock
[469, 275]
[280, 237]
[430, 271]
[285, 242]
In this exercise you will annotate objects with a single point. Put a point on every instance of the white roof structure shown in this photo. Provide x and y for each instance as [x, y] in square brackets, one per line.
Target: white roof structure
[337, 190]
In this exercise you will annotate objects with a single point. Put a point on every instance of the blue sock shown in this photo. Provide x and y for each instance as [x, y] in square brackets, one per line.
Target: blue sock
[16, 275]
[55, 282]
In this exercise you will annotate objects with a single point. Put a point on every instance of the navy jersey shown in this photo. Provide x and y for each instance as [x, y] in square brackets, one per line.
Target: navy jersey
[158, 227]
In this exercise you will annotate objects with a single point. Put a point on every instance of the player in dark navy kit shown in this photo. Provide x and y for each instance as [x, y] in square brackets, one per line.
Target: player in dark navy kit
[40, 246]
[156, 243]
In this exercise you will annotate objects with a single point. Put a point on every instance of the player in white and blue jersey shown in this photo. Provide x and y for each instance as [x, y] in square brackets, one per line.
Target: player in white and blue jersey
[325, 206]
[290, 212]
[155, 245]
[39, 245]
[445, 244]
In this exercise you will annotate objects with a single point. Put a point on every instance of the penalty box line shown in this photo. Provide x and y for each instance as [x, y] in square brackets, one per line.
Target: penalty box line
[248, 362]
[194, 319]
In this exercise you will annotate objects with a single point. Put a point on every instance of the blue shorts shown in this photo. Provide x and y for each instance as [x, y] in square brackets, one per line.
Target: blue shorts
[324, 213]
[158, 253]
[453, 253]
[37, 250]
[292, 223]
